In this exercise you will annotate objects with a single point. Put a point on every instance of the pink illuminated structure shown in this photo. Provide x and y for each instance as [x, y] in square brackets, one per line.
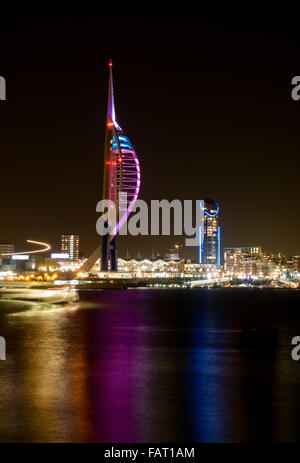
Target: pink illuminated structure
[121, 183]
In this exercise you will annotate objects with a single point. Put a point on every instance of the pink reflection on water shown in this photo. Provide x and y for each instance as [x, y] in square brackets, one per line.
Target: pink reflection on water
[117, 388]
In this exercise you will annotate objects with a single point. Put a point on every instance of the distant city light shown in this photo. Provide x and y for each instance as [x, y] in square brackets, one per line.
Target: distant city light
[60, 255]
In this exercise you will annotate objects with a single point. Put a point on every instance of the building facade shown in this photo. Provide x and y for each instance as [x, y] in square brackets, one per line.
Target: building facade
[7, 247]
[210, 234]
[234, 257]
[70, 245]
[254, 263]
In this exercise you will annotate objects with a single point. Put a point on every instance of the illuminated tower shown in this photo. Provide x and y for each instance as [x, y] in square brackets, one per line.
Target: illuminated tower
[121, 183]
[210, 234]
[121, 176]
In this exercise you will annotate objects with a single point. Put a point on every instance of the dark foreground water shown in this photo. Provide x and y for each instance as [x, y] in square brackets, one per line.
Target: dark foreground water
[151, 366]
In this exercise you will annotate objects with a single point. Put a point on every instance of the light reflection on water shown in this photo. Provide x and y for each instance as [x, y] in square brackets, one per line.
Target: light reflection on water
[149, 366]
[34, 309]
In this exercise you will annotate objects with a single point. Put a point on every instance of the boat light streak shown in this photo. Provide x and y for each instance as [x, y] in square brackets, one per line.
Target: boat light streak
[46, 248]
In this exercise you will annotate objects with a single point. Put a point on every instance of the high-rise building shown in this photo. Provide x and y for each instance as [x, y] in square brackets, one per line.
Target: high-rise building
[7, 247]
[70, 245]
[210, 234]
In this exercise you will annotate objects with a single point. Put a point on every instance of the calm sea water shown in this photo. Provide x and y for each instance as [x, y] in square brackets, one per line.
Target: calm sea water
[151, 366]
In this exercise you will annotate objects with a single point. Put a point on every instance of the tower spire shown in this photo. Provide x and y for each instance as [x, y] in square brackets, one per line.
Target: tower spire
[111, 112]
[121, 183]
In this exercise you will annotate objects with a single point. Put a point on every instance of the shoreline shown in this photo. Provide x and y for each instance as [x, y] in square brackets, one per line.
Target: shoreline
[123, 284]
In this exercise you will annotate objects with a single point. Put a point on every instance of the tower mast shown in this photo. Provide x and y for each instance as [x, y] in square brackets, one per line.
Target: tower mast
[121, 183]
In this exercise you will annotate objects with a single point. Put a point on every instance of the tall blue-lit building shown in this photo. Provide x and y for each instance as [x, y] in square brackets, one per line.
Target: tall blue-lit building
[210, 234]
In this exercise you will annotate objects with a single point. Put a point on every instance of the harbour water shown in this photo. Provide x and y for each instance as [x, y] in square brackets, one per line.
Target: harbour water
[152, 366]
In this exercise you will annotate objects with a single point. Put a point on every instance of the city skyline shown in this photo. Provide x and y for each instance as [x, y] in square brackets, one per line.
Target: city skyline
[188, 111]
[149, 244]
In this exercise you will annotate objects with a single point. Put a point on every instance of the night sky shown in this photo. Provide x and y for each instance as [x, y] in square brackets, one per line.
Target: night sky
[205, 100]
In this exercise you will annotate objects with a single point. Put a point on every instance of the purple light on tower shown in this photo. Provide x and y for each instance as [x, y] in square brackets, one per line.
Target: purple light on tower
[129, 160]
[122, 179]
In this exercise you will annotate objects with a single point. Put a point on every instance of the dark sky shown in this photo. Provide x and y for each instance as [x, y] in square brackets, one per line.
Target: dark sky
[205, 99]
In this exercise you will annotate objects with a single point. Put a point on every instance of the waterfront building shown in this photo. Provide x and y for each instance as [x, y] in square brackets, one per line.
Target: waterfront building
[7, 247]
[6, 263]
[151, 268]
[210, 234]
[255, 267]
[233, 257]
[202, 271]
[70, 245]
[168, 268]
[253, 262]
